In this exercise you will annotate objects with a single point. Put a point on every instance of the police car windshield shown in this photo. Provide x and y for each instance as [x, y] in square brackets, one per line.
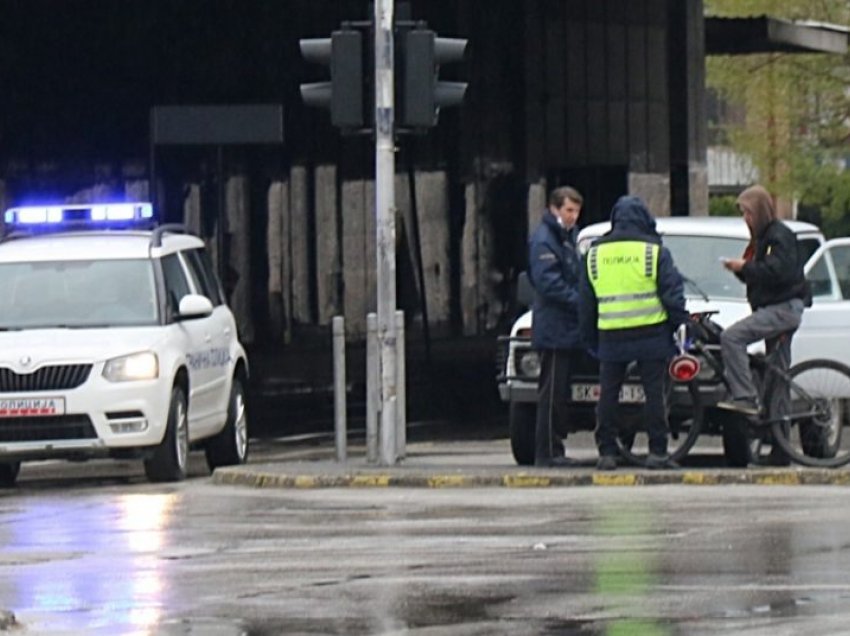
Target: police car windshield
[698, 258]
[77, 294]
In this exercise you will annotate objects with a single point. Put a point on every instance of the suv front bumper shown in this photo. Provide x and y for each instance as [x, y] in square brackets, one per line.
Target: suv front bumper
[98, 416]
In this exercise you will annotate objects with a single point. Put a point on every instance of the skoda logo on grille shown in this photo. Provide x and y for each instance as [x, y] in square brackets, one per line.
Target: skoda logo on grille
[25, 361]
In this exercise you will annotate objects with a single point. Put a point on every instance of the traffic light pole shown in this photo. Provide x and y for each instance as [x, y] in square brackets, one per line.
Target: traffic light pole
[422, 96]
[385, 225]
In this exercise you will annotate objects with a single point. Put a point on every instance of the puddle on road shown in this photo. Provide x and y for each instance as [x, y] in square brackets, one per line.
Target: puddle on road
[786, 607]
[459, 614]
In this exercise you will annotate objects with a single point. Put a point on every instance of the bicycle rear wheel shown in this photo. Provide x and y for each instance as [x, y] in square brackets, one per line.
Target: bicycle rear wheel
[815, 432]
[685, 418]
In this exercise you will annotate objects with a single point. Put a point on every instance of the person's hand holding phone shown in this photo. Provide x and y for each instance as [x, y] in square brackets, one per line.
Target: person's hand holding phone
[733, 264]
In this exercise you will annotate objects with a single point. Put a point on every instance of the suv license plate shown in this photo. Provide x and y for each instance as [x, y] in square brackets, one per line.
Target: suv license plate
[629, 393]
[32, 407]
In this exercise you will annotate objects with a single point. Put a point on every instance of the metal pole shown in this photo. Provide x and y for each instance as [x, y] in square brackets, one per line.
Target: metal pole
[372, 388]
[338, 326]
[401, 404]
[152, 192]
[385, 223]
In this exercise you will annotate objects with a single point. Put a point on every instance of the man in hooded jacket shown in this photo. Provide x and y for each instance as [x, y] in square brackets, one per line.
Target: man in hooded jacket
[777, 292]
[632, 300]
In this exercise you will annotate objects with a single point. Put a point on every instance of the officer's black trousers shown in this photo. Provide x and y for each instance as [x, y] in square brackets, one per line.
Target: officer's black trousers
[611, 377]
[552, 398]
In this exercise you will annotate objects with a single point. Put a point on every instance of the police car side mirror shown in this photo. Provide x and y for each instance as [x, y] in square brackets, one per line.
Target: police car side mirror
[524, 290]
[194, 306]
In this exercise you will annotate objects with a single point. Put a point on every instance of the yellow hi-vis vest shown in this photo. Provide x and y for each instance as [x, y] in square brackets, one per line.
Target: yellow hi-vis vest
[624, 275]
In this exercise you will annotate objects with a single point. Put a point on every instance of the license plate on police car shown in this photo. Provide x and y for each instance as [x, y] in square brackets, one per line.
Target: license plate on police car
[629, 393]
[31, 407]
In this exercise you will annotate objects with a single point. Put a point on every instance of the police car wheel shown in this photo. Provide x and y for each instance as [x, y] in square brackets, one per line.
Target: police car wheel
[168, 462]
[230, 446]
[9, 474]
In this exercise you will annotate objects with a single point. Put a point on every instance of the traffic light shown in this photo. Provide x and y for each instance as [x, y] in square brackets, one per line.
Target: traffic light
[424, 94]
[343, 94]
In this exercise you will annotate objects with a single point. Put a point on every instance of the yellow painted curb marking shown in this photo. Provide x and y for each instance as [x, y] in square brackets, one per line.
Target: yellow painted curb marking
[441, 481]
[786, 479]
[614, 480]
[371, 481]
[699, 478]
[525, 481]
[304, 481]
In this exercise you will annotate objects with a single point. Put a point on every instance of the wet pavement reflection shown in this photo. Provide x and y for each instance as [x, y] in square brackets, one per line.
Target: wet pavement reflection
[194, 558]
[626, 571]
[83, 560]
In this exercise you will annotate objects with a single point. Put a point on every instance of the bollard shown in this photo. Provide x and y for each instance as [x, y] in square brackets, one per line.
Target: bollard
[372, 380]
[388, 427]
[340, 427]
[401, 388]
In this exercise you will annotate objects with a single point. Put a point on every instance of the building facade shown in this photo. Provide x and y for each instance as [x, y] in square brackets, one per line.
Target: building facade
[606, 95]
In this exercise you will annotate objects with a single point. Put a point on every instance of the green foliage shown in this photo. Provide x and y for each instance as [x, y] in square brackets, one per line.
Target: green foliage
[825, 197]
[824, 10]
[796, 108]
[722, 206]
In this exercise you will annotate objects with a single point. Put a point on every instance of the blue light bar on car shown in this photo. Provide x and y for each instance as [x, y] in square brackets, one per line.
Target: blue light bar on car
[90, 215]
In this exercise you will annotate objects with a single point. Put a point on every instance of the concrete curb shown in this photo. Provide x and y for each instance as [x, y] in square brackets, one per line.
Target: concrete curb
[413, 478]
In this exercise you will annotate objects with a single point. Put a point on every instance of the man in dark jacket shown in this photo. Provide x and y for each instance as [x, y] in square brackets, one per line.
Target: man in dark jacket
[554, 273]
[777, 292]
[632, 299]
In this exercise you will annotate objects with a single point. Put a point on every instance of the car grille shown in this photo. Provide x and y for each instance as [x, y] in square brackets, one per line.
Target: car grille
[53, 378]
[51, 427]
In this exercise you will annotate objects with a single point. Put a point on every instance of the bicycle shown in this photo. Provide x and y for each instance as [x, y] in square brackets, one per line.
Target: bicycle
[812, 432]
[685, 412]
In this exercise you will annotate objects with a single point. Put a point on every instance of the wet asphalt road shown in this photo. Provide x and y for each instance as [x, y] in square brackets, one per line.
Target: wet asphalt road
[97, 550]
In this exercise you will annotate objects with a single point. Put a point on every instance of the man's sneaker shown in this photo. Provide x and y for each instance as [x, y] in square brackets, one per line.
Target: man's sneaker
[555, 462]
[606, 462]
[660, 462]
[747, 406]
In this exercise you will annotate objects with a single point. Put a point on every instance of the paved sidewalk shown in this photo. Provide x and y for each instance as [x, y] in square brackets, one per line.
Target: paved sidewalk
[488, 463]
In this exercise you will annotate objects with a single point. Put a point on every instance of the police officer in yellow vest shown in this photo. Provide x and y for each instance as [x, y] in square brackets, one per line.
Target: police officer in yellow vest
[632, 299]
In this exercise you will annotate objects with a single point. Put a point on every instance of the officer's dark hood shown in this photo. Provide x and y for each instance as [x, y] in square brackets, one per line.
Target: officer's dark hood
[630, 217]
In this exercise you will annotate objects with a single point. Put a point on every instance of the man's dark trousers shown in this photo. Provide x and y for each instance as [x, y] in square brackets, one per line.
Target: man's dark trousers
[553, 394]
[611, 378]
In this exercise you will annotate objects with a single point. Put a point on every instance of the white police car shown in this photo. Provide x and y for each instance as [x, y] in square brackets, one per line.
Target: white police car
[115, 341]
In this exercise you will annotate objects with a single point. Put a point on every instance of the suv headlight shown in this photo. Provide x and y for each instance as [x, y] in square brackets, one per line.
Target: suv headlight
[136, 366]
[528, 363]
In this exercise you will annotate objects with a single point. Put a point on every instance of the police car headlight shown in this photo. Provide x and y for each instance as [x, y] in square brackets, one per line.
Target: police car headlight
[137, 366]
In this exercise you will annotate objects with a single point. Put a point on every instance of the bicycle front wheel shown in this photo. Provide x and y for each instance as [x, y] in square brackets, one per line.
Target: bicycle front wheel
[814, 434]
